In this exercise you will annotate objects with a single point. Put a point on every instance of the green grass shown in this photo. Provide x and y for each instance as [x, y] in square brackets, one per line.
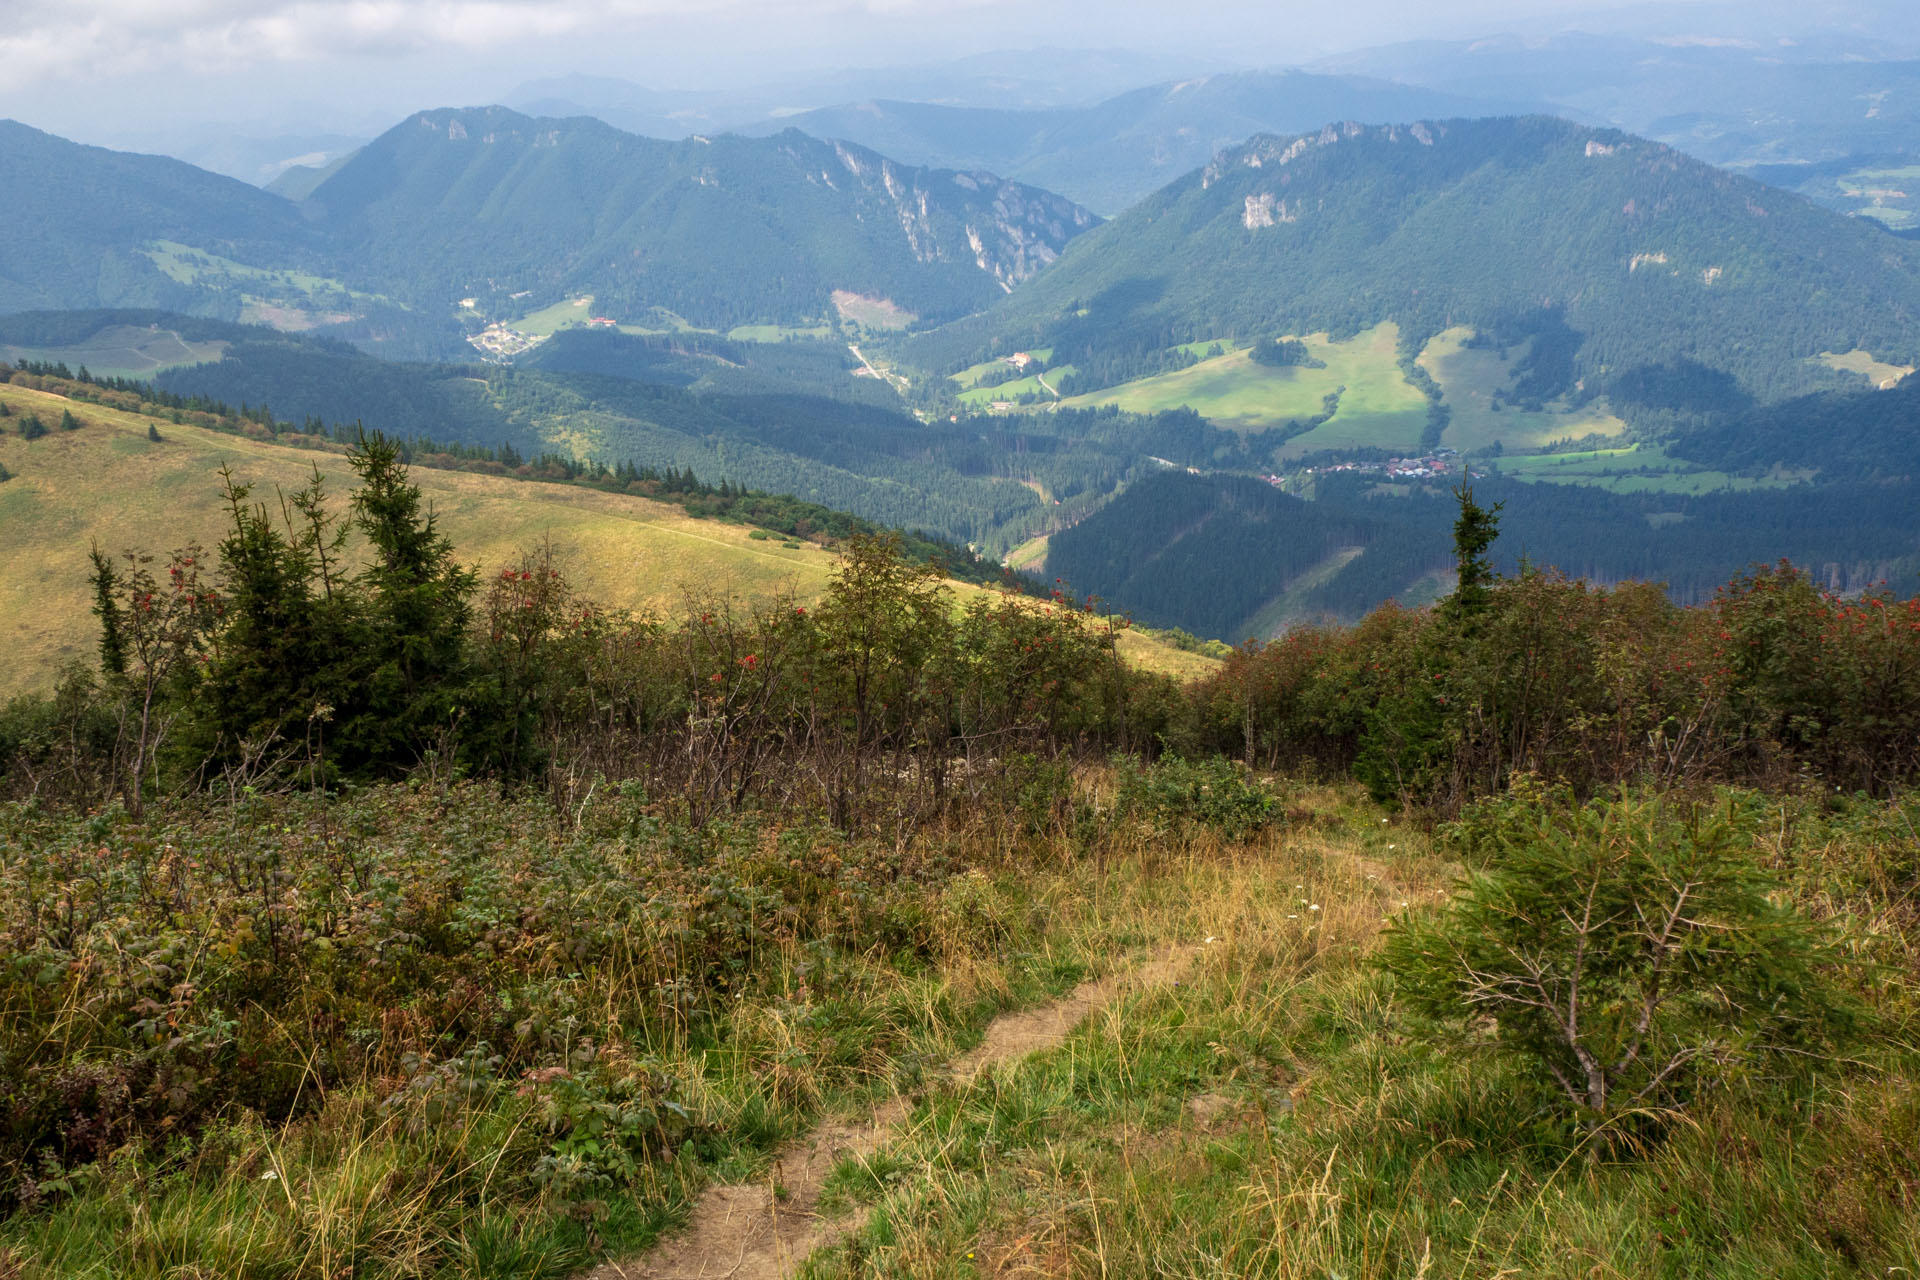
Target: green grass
[124, 351]
[778, 332]
[285, 299]
[1636, 468]
[568, 313]
[981, 397]
[1277, 1114]
[1471, 378]
[188, 265]
[1378, 409]
[1270, 1108]
[1890, 196]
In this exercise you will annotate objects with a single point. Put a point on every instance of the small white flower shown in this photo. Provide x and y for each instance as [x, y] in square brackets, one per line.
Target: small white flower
[1293, 917]
[1211, 938]
[1314, 907]
[1393, 846]
[270, 1176]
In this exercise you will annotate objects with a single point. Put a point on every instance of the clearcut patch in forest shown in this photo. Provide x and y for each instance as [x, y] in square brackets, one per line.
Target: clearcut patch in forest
[1881, 374]
[871, 312]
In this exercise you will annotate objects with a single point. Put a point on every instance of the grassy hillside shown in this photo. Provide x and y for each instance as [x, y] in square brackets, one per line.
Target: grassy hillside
[108, 483]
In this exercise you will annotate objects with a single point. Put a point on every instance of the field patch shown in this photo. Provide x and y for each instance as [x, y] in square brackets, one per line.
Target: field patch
[1881, 374]
[1476, 379]
[124, 351]
[284, 298]
[1378, 407]
[779, 332]
[1889, 196]
[1635, 468]
[568, 313]
[1041, 386]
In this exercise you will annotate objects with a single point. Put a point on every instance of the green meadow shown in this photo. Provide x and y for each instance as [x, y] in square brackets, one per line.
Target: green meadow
[1472, 378]
[1378, 407]
[1634, 468]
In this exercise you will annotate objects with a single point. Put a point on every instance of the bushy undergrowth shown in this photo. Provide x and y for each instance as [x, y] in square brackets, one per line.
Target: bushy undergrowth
[1590, 686]
[481, 999]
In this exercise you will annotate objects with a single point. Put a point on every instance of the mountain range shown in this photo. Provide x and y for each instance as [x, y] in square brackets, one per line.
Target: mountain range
[1631, 267]
[1616, 327]
[1111, 154]
[507, 214]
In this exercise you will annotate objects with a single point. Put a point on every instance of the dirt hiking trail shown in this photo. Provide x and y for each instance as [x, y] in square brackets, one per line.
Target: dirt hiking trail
[749, 1233]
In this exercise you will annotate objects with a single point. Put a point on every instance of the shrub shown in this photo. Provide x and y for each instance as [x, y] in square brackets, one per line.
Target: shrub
[1624, 953]
[1215, 793]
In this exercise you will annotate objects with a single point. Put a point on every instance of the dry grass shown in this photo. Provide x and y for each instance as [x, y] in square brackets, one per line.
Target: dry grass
[107, 483]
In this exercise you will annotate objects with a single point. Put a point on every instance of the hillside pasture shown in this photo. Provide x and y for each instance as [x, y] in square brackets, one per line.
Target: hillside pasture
[779, 333]
[123, 351]
[1379, 408]
[568, 313]
[108, 484]
[1473, 378]
[1635, 468]
[1039, 385]
[1889, 195]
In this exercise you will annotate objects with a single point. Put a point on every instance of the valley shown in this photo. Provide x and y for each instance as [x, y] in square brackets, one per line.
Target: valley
[996, 365]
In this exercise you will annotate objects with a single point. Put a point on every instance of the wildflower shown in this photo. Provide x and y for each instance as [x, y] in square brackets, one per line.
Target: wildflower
[1314, 907]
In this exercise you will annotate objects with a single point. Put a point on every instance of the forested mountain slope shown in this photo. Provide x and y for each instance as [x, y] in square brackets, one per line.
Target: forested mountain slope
[75, 219]
[457, 218]
[1635, 270]
[487, 203]
[1226, 556]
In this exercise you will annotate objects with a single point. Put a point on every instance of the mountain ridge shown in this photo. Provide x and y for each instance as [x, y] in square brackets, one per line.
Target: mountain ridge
[1514, 226]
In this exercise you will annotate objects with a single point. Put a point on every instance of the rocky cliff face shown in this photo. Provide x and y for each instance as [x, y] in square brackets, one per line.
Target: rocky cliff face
[488, 205]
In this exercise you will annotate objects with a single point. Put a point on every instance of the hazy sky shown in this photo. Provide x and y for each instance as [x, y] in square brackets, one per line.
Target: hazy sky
[107, 70]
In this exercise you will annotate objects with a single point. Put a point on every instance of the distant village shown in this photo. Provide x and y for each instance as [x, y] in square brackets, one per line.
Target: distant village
[1441, 462]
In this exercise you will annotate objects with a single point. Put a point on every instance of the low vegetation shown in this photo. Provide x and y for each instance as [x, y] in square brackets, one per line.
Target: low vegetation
[360, 917]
